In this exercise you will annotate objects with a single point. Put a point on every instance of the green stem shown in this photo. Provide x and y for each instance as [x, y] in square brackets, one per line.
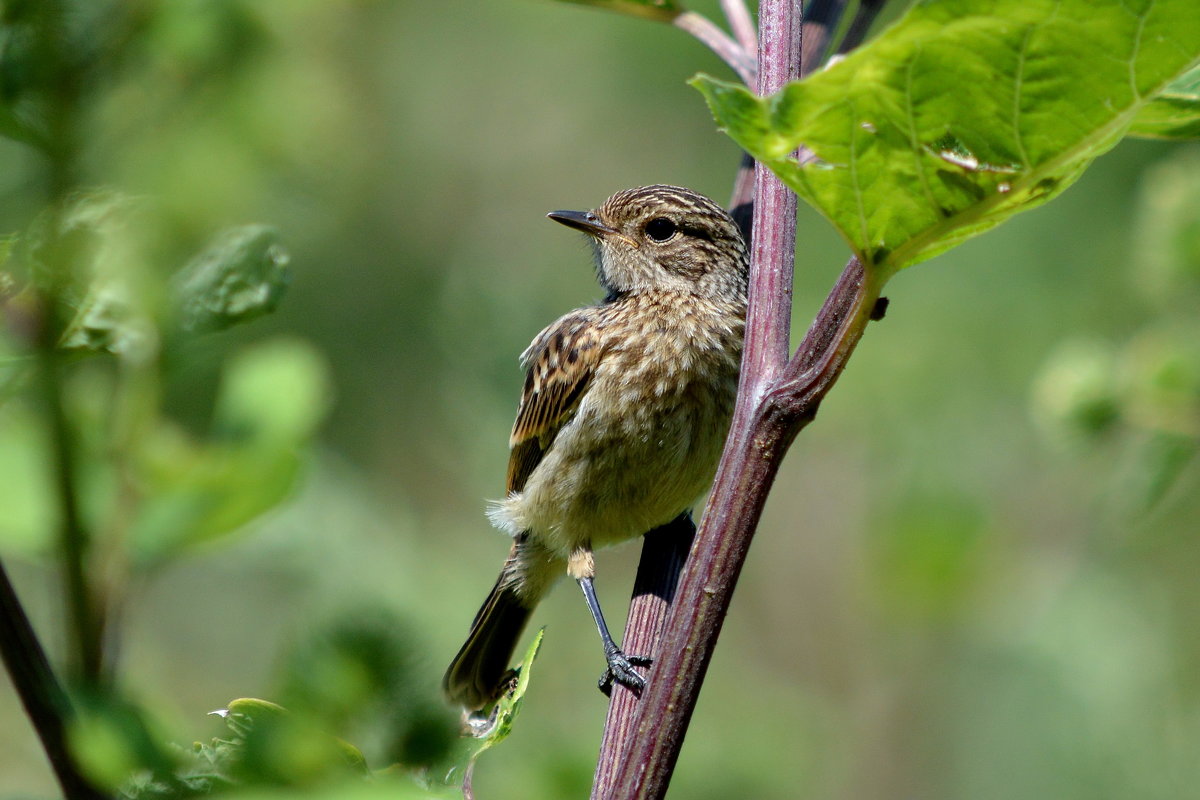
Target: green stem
[59, 255]
[73, 539]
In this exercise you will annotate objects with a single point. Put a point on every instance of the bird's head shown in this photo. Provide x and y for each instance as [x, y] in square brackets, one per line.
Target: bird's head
[664, 238]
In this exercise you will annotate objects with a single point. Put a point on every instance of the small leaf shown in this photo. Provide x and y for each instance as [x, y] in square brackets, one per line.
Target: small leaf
[270, 745]
[510, 702]
[658, 10]
[489, 732]
[359, 669]
[240, 276]
[107, 322]
[1174, 113]
[962, 114]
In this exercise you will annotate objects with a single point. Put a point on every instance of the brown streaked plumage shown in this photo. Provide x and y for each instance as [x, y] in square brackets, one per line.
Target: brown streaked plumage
[623, 414]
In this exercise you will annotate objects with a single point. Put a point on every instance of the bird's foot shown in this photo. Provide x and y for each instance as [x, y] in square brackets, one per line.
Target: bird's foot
[620, 670]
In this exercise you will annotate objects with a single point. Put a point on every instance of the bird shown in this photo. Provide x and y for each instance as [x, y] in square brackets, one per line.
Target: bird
[624, 412]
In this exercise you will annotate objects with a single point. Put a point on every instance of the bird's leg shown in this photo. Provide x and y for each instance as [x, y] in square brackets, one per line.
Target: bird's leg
[620, 666]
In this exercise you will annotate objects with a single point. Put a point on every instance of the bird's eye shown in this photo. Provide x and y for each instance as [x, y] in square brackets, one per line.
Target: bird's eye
[660, 229]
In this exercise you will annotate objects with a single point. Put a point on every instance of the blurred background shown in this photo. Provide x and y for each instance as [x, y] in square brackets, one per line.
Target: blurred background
[976, 576]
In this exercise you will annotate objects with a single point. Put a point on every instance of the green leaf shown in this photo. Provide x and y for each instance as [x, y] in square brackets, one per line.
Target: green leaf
[275, 392]
[509, 704]
[357, 671]
[199, 493]
[658, 10]
[272, 398]
[270, 745]
[97, 255]
[1174, 113]
[961, 114]
[489, 732]
[240, 276]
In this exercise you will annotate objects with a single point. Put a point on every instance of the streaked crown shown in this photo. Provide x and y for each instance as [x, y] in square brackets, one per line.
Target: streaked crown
[664, 237]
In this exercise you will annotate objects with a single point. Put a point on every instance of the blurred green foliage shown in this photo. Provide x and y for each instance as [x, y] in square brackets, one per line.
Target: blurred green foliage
[943, 600]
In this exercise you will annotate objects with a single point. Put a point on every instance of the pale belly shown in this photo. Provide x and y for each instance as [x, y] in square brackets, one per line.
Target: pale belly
[610, 477]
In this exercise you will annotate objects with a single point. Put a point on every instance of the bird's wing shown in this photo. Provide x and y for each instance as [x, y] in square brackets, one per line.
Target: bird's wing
[560, 364]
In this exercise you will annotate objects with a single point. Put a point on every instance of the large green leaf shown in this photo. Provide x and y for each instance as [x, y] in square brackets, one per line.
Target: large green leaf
[1174, 114]
[962, 114]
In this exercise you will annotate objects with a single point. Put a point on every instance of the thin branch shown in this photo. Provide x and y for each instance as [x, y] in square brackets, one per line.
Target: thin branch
[74, 540]
[41, 694]
[711, 36]
[742, 25]
[59, 254]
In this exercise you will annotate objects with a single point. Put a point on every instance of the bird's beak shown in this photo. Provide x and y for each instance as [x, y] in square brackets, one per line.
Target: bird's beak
[586, 221]
[589, 223]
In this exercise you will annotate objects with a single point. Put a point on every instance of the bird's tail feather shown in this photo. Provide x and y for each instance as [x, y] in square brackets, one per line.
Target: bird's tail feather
[474, 676]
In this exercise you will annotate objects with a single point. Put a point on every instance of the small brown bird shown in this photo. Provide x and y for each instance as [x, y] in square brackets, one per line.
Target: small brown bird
[623, 416]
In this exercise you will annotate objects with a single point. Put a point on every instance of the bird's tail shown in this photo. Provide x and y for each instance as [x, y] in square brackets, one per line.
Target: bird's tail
[474, 676]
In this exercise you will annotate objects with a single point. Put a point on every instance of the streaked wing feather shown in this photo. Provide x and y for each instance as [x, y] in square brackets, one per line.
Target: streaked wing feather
[560, 363]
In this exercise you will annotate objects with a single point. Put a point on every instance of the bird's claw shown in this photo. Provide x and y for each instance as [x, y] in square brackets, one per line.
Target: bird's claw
[620, 670]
